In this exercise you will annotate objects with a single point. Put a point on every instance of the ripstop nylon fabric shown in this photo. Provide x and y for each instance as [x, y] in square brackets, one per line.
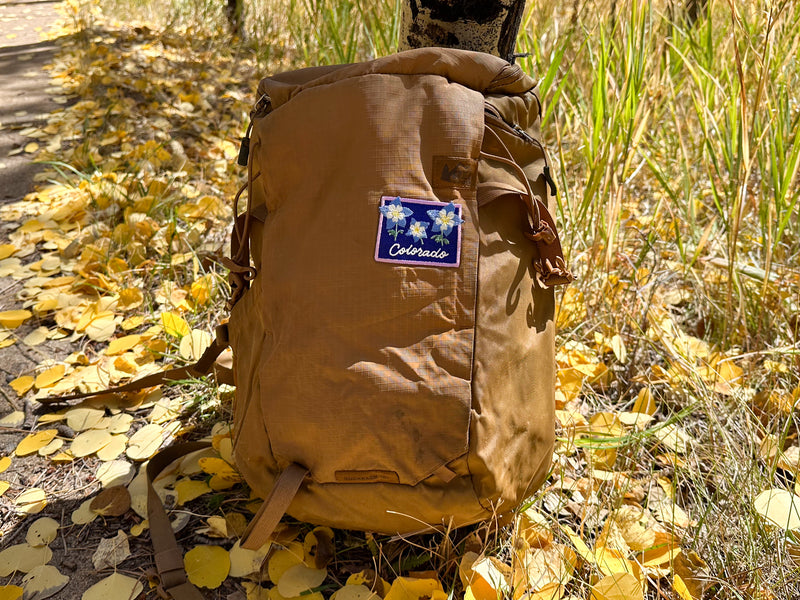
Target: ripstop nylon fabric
[415, 396]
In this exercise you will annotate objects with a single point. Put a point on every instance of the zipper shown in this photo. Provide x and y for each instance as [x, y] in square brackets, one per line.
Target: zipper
[493, 116]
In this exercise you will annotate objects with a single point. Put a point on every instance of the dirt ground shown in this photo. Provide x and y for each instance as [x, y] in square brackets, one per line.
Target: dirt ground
[26, 99]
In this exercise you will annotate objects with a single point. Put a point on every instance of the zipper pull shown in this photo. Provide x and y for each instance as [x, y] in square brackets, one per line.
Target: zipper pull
[261, 108]
[244, 148]
[550, 183]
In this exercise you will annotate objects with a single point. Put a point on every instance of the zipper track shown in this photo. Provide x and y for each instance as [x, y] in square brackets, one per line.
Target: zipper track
[493, 117]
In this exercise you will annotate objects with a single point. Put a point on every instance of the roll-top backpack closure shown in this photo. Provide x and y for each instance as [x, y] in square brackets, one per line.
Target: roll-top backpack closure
[481, 72]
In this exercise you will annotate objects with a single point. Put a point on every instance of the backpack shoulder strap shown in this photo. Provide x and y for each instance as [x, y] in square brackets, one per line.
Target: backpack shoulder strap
[172, 579]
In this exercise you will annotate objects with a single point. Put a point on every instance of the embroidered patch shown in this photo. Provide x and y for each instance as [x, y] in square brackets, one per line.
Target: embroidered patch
[419, 232]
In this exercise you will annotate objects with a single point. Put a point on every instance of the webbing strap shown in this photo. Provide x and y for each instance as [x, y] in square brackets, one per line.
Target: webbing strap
[269, 515]
[203, 366]
[169, 560]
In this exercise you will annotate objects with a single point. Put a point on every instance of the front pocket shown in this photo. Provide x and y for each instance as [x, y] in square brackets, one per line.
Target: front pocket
[368, 378]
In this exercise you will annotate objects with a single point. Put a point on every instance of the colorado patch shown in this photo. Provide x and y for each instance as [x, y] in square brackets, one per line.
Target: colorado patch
[419, 232]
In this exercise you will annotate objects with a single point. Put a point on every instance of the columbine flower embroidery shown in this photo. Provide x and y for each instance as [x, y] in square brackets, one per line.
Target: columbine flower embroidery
[418, 230]
[444, 220]
[395, 214]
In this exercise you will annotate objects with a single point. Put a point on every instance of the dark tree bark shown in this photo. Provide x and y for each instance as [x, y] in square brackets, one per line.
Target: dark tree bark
[489, 26]
[234, 11]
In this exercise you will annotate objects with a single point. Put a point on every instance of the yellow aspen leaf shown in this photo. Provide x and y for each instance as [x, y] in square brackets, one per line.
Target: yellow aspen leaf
[207, 566]
[145, 443]
[120, 423]
[245, 562]
[583, 550]
[33, 441]
[5, 462]
[281, 561]
[36, 337]
[544, 568]
[113, 449]
[122, 344]
[43, 582]
[488, 578]
[611, 561]
[409, 588]
[4, 486]
[193, 345]
[132, 322]
[82, 418]
[534, 528]
[14, 318]
[7, 250]
[42, 532]
[680, 588]
[45, 306]
[130, 298]
[139, 528]
[779, 507]
[300, 579]
[89, 442]
[49, 377]
[645, 403]
[84, 514]
[31, 501]
[355, 592]
[62, 457]
[14, 419]
[10, 592]
[116, 472]
[21, 385]
[201, 290]
[174, 325]
[23, 557]
[189, 489]
[114, 587]
[51, 448]
[619, 586]
[31, 147]
[102, 327]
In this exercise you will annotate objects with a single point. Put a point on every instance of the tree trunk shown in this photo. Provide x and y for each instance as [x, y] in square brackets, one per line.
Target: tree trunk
[489, 26]
[234, 11]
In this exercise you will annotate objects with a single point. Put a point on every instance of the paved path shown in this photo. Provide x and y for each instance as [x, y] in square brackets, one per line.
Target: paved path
[24, 101]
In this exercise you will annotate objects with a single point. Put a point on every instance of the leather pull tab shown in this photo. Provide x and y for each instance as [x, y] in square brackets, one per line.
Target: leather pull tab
[244, 152]
[550, 266]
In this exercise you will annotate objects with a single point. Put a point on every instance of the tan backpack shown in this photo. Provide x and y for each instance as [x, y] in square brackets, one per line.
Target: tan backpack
[392, 306]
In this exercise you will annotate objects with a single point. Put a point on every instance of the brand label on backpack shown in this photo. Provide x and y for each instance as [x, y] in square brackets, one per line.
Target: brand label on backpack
[419, 232]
